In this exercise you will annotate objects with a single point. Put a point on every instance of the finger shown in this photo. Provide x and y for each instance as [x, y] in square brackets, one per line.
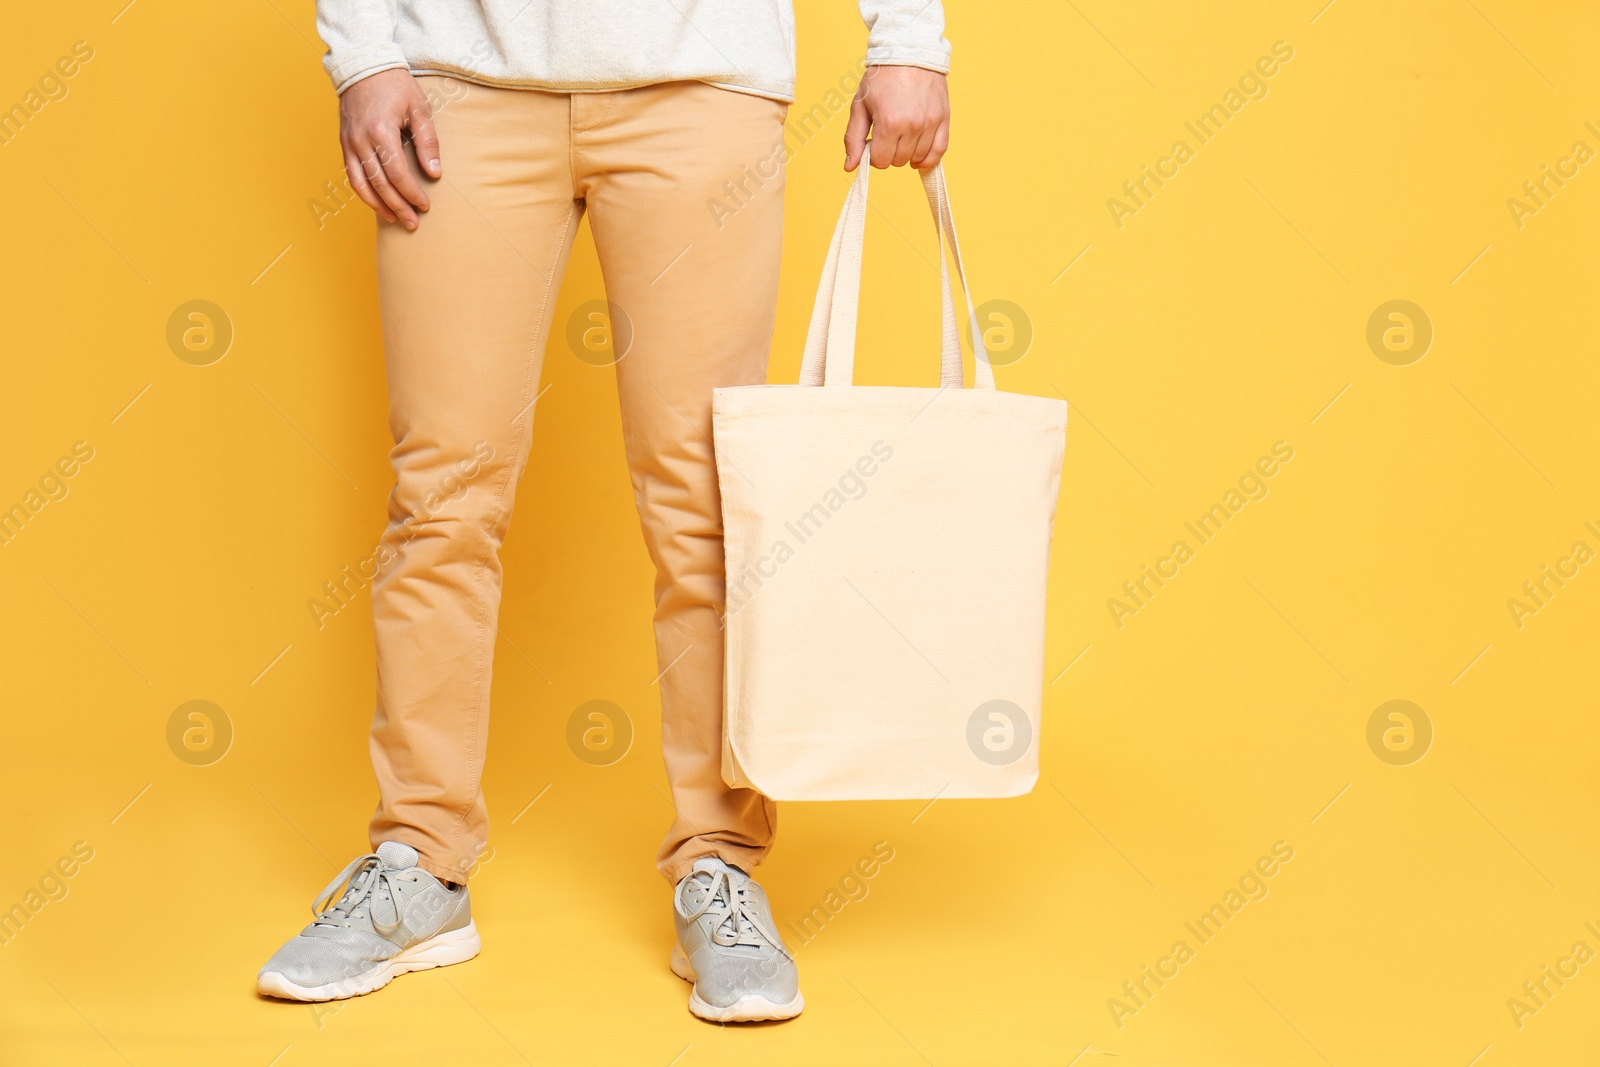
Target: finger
[425, 139]
[941, 144]
[397, 168]
[358, 181]
[885, 145]
[904, 147]
[372, 167]
[855, 133]
[925, 138]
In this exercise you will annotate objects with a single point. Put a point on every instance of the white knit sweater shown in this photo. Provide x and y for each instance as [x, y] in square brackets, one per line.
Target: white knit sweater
[588, 45]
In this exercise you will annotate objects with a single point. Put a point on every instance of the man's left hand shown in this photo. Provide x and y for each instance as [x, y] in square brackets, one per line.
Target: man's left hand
[906, 110]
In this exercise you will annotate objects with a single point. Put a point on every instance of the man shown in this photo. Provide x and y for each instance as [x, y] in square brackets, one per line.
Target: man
[639, 114]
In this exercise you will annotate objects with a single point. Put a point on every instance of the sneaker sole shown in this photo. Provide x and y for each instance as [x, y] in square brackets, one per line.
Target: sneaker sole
[441, 950]
[753, 1008]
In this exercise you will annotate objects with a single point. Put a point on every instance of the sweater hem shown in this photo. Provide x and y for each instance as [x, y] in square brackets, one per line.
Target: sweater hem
[934, 59]
[783, 94]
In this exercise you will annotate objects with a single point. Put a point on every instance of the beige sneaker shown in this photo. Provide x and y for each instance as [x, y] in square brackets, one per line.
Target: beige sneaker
[382, 916]
[728, 947]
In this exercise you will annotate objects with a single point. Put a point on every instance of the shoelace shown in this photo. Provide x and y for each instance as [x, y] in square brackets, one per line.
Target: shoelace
[333, 907]
[731, 910]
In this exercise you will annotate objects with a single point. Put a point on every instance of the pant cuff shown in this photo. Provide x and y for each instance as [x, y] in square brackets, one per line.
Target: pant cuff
[682, 861]
[427, 859]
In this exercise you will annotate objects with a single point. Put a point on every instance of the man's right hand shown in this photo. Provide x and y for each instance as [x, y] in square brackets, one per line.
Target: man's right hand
[372, 114]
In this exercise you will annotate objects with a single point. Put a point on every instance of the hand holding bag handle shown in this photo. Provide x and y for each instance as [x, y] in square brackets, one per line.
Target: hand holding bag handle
[831, 340]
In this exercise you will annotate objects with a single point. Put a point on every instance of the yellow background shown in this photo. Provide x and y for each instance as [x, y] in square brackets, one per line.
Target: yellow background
[1230, 713]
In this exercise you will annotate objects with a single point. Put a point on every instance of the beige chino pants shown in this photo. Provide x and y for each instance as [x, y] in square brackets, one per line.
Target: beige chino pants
[466, 301]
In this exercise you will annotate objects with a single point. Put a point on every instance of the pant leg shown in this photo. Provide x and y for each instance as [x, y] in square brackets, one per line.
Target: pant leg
[684, 187]
[465, 303]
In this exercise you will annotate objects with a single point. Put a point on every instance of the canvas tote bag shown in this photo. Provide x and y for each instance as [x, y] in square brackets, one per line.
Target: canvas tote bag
[886, 559]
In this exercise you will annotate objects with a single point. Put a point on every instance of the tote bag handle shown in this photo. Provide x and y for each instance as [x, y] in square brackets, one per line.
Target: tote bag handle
[831, 340]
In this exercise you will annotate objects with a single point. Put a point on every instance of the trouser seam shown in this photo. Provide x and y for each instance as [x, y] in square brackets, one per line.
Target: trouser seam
[522, 436]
